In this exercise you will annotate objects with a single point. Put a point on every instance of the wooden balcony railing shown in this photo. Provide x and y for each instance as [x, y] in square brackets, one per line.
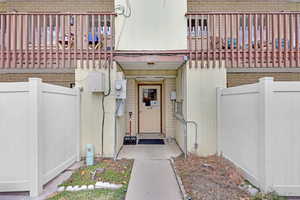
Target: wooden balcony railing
[244, 39]
[56, 40]
[65, 40]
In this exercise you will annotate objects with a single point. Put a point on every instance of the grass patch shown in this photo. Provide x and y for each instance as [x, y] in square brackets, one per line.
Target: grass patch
[269, 196]
[117, 172]
[89, 195]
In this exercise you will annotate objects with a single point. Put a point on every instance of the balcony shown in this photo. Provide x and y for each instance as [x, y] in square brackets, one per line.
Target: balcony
[56, 40]
[64, 40]
[244, 39]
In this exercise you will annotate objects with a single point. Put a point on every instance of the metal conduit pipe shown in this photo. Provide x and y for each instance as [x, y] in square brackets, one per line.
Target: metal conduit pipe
[196, 132]
[118, 104]
[180, 119]
[185, 123]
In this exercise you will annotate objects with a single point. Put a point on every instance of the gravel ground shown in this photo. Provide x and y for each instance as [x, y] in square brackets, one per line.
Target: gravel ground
[210, 178]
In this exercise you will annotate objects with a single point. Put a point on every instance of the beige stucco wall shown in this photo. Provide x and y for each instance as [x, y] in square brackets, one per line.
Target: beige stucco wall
[196, 88]
[153, 25]
[91, 115]
[201, 106]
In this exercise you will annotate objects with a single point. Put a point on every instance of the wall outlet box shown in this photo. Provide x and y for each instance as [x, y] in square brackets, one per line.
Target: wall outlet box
[173, 96]
[96, 82]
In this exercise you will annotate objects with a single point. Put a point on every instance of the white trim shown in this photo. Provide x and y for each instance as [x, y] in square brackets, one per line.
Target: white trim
[238, 90]
[219, 93]
[13, 186]
[287, 190]
[78, 122]
[14, 87]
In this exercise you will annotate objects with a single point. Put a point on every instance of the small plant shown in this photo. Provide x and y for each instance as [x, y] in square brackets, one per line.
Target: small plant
[268, 196]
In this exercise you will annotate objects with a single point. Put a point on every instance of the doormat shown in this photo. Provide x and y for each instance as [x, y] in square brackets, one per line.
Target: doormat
[151, 141]
[129, 140]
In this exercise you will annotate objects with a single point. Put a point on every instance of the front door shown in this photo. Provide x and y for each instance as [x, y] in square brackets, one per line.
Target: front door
[149, 108]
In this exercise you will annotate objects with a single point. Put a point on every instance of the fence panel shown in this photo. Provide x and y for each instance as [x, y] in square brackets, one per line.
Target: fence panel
[39, 132]
[285, 137]
[60, 140]
[14, 137]
[258, 130]
[239, 128]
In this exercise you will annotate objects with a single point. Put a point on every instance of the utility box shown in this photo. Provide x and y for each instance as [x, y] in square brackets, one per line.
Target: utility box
[120, 86]
[173, 96]
[96, 82]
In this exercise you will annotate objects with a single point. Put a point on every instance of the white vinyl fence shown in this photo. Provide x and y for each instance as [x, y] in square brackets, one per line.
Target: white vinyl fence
[259, 131]
[39, 133]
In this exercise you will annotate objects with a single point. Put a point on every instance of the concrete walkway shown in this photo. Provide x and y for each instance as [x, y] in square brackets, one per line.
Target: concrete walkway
[150, 152]
[152, 176]
[153, 179]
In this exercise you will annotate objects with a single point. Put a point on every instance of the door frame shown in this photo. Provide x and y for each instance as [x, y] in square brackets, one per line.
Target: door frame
[138, 102]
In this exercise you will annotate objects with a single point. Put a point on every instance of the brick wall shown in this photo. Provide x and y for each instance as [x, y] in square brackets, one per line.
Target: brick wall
[61, 5]
[63, 79]
[108, 5]
[3, 7]
[235, 79]
[238, 5]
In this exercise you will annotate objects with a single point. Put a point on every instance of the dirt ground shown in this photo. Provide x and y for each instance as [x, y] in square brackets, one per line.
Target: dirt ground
[210, 178]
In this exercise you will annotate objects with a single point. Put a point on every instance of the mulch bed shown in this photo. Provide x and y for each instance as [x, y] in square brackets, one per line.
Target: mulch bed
[210, 178]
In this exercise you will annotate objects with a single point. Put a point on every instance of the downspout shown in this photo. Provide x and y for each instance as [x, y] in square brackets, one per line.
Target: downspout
[103, 110]
[118, 102]
[115, 138]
